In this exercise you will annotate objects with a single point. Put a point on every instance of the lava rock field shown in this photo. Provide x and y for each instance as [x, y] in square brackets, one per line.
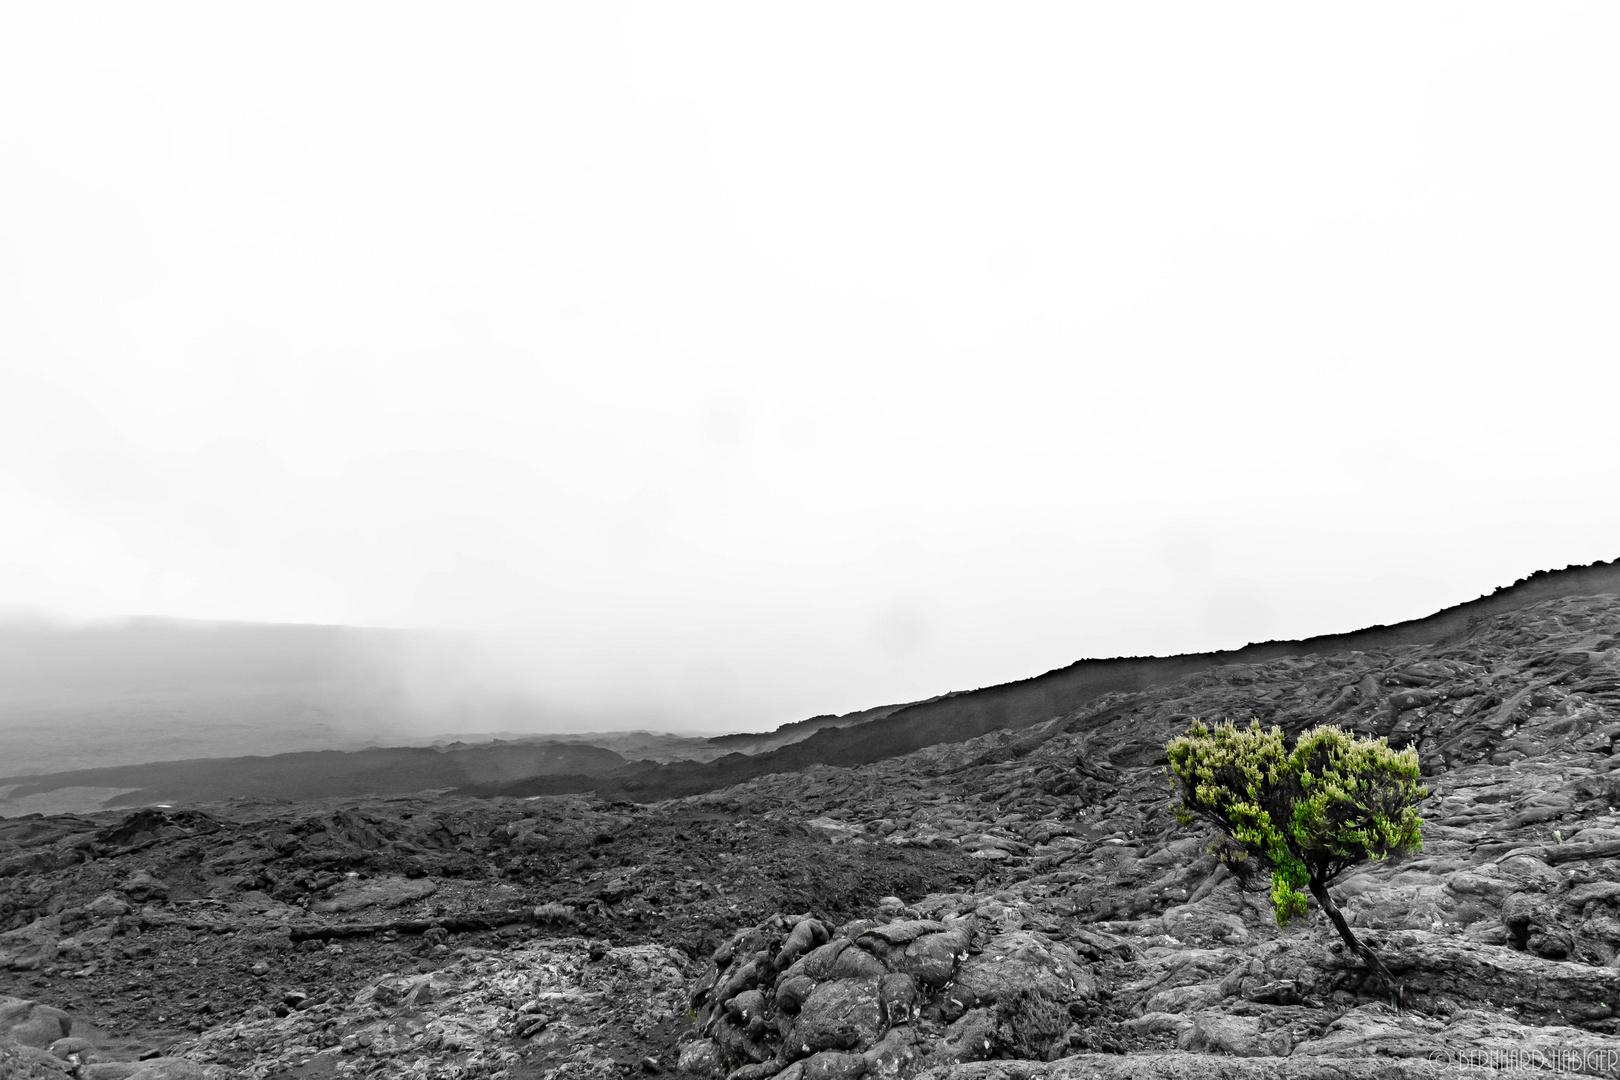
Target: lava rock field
[1021, 904]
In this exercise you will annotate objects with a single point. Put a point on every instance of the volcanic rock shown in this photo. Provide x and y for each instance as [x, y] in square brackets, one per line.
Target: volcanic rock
[30, 1023]
[389, 892]
[1019, 904]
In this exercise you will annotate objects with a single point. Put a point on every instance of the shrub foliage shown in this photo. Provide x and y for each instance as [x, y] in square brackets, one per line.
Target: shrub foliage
[1305, 810]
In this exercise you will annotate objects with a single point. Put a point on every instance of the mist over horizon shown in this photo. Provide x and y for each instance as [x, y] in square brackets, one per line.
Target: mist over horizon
[316, 686]
[714, 370]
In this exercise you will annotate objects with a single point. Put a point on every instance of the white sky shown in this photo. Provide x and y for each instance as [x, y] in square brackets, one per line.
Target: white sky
[735, 364]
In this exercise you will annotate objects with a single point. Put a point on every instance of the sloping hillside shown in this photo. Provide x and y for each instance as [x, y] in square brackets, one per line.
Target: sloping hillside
[965, 715]
[748, 742]
[1019, 905]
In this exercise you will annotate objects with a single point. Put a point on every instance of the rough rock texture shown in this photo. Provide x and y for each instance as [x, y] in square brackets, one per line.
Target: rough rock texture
[1018, 905]
[33, 1024]
[158, 930]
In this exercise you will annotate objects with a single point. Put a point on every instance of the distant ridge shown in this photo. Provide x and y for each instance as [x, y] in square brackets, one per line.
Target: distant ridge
[798, 729]
[324, 774]
[967, 714]
[639, 766]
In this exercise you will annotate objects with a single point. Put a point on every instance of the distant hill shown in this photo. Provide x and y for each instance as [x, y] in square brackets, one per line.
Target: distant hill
[968, 714]
[206, 694]
[166, 710]
[157, 689]
[151, 690]
[318, 775]
[748, 742]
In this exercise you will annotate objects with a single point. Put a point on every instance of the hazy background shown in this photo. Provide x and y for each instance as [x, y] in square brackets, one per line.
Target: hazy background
[710, 367]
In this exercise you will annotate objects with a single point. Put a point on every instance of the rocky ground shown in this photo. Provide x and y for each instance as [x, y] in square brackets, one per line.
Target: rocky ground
[1020, 905]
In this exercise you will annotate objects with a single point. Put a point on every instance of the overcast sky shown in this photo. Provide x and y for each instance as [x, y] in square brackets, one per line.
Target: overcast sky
[732, 364]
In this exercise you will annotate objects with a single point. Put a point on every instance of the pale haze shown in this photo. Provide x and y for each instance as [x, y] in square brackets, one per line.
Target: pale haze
[712, 367]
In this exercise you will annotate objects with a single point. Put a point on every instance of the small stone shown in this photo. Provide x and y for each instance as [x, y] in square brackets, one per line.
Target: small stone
[108, 906]
[74, 1048]
[141, 886]
[32, 1024]
[701, 1058]
[382, 892]
[841, 1015]
[834, 1065]
[169, 1068]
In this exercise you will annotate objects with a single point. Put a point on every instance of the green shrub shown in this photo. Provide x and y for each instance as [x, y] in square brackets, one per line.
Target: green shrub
[1305, 810]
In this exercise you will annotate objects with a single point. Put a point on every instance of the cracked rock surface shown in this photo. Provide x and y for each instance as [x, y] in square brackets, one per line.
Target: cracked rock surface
[1018, 905]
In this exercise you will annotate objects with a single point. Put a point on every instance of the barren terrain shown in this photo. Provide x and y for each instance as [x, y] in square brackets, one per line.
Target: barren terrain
[1016, 904]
